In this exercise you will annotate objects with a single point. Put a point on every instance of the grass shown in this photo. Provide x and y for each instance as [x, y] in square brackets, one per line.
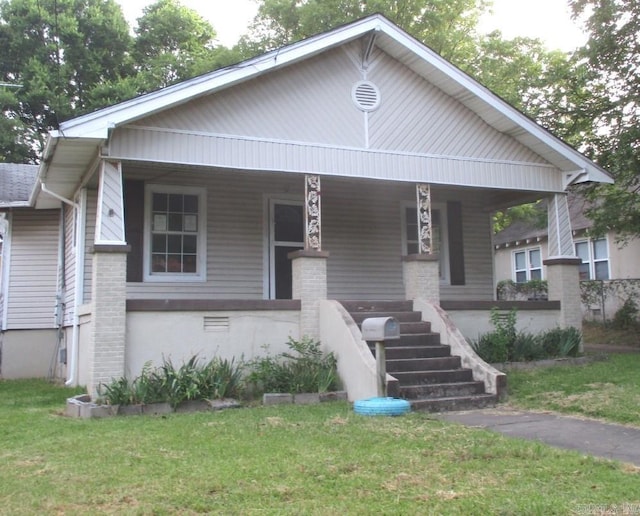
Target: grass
[607, 389]
[320, 459]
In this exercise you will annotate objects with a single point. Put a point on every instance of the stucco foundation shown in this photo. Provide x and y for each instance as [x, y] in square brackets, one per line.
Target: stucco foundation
[28, 353]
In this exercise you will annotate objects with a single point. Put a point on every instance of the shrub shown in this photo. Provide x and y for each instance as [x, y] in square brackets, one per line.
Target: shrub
[216, 379]
[626, 316]
[304, 369]
[561, 342]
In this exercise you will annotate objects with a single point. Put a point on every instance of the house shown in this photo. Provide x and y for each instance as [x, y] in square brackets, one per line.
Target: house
[520, 251]
[236, 209]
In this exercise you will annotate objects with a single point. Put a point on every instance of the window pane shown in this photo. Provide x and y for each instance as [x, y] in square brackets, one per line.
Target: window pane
[600, 249]
[534, 259]
[521, 277]
[411, 229]
[175, 203]
[174, 263]
[412, 248]
[289, 223]
[582, 251]
[175, 222]
[159, 202]
[158, 263]
[191, 204]
[583, 271]
[175, 244]
[189, 264]
[536, 274]
[520, 261]
[602, 270]
[159, 244]
[190, 244]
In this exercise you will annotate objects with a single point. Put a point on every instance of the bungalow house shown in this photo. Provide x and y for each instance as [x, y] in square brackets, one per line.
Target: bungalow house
[609, 270]
[250, 204]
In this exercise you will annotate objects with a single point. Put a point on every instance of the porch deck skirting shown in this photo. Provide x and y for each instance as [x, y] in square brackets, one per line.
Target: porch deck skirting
[178, 329]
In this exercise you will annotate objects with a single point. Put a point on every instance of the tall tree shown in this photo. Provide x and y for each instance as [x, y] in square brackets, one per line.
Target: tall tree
[172, 43]
[612, 62]
[447, 26]
[58, 51]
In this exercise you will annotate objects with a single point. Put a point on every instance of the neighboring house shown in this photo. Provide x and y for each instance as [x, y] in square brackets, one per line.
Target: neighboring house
[28, 277]
[231, 210]
[521, 249]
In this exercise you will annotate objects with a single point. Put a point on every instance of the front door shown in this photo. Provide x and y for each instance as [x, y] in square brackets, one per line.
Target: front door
[286, 234]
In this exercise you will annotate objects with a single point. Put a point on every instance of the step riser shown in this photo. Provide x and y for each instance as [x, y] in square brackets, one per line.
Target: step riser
[415, 352]
[377, 306]
[428, 377]
[422, 364]
[446, 404]
[416, 392]
[402, 317]
[419, 339]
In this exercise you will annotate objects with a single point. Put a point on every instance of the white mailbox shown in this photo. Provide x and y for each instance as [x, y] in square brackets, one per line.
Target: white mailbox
[377, 329]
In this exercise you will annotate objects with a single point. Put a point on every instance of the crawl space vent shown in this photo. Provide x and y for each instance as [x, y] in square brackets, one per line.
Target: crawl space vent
[366, 95]
[216, 323]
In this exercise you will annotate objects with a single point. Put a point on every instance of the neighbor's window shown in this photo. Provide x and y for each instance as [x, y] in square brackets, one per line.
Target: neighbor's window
[527, 265]
[595, 259]
[175, 233]
[438, 231]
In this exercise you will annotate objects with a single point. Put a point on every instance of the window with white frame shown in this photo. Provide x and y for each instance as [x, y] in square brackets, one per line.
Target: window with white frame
[595, 258]
[527, 265]
[410, 243]
[175, 233]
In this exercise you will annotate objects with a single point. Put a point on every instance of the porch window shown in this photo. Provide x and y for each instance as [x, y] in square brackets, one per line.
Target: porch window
[595, 259]
[438, 231]
[527, 265]
[175, 229]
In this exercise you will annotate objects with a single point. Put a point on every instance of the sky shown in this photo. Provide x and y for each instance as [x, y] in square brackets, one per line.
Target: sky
[548, 20]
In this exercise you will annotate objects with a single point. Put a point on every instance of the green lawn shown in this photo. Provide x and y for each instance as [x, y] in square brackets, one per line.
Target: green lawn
[605, 389]
[319, 459]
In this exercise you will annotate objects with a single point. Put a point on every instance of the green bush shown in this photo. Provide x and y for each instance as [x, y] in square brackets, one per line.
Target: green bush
[506, 344]
[216, 379]
[626, 317]
[304, 369]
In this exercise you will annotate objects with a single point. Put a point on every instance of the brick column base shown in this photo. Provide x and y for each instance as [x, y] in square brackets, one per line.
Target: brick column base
[109, 312]
[309, 271]
[564, 286]
[421, 276]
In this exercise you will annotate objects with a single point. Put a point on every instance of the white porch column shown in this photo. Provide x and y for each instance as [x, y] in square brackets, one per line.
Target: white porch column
[107, 339]
[309, 266]
[421, 272]
[562, 264]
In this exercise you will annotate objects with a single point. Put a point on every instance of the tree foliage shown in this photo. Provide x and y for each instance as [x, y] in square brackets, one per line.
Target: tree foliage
[70, 57]
[611, 60]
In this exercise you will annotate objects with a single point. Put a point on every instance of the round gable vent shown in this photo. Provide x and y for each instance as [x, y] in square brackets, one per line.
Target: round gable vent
[366, 95]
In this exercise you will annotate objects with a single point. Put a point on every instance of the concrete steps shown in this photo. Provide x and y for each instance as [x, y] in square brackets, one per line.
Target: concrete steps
[428, 375]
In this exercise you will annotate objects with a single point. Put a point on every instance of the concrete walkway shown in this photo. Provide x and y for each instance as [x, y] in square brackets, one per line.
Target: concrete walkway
[591, 437]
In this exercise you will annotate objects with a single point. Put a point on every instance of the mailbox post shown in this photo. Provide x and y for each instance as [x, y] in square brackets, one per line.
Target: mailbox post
[379, 330]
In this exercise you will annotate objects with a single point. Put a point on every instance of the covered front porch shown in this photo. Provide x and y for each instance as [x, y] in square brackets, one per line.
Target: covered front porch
[223, 262]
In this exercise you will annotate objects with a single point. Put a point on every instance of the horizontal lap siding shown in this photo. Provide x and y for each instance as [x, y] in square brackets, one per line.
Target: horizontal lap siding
[478, 254]
[90, 232]
[361, 227]
[34, 269]
[235, 234]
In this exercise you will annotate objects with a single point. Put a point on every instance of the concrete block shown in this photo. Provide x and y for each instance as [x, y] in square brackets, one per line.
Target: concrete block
[156, 409]
[277, 398]
[306, 398]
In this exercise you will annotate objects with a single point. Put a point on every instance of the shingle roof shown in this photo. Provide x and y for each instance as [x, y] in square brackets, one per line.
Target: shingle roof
[16, 184]
[525, 230]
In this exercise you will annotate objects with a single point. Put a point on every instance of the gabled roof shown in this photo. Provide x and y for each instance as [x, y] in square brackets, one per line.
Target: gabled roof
[16, 184]
[95, 128]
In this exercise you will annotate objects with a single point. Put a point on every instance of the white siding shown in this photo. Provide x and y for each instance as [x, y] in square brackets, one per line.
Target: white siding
[34, 265]
[69, 263]
[90, 230]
